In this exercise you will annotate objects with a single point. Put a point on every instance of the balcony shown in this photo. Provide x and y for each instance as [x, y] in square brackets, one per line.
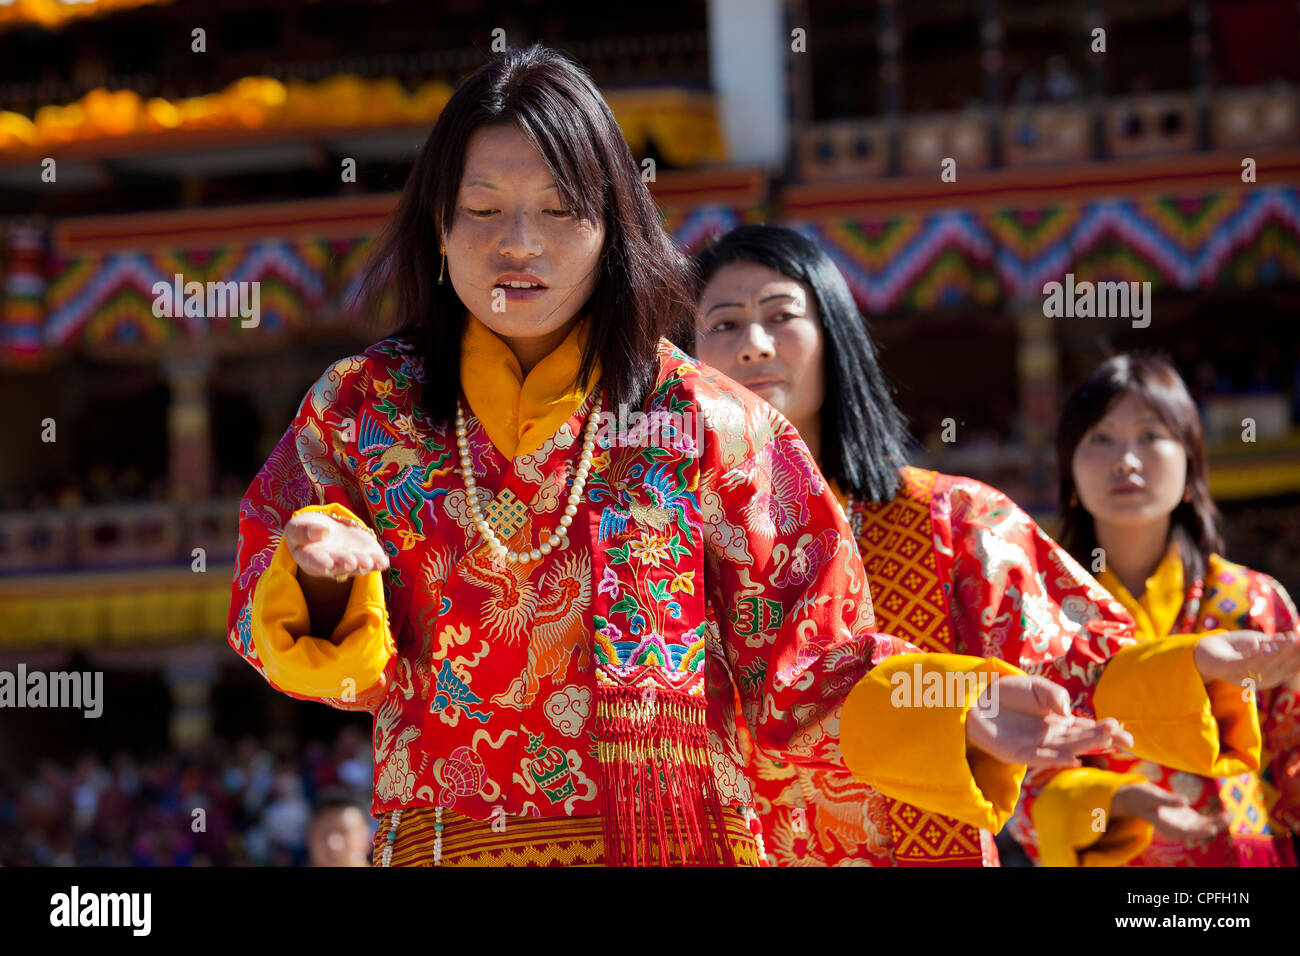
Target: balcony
[123, 575]
[126, 536]
[1131, 126]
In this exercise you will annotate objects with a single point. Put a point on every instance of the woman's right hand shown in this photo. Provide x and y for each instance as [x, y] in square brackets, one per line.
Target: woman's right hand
[1235, 657]
[1031, 724]
[326, 548]
[1169, 813]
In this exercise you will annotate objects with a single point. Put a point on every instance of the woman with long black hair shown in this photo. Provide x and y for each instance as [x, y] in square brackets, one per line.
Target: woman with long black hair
[540, 543]
[1134, 492]
[953, 564]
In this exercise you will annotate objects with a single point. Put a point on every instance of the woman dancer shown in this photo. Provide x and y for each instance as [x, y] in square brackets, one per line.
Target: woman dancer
[1135, 492]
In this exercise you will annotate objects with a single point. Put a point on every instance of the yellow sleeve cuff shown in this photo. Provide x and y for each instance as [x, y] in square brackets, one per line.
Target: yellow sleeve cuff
[895, 737]
[1156, 692]
[311, 666]
[1066, 817]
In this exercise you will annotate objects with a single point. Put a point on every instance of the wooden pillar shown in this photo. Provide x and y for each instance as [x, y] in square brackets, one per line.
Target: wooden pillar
[1092, 19]
[991, 75]
[891, 80]
[189, 428]
[1038, 374]
[799, 67]
[276, 401]
[22, 297]
[746, 37]
[189, 673]
[1202, 73]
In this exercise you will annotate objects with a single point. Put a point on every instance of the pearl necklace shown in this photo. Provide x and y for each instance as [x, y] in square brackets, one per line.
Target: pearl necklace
[387, 858]
[497, 549]
[750, 816]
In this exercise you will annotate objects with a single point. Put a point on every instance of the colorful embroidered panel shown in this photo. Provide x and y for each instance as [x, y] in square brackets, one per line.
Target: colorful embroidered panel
[961, 258]
[911, 261]
[526, 841]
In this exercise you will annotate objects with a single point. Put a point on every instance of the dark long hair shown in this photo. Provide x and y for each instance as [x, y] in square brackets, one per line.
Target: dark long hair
[1194, 524]
[643, 287]
[863, 433]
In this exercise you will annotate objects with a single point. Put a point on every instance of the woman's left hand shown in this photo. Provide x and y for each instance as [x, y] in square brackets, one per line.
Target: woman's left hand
[1032, 725]
[1170, 813]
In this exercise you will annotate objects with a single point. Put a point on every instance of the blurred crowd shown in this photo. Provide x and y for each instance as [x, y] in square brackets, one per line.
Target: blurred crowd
[1055, 82]
[225, 804]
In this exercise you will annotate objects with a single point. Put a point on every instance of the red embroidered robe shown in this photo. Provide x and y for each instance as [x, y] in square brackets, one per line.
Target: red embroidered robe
[488, 701]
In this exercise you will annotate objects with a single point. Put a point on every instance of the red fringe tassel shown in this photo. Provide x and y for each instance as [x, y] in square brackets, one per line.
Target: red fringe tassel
[656, 780]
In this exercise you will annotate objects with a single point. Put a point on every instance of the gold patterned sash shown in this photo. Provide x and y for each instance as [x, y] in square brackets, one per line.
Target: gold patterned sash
[522, 841]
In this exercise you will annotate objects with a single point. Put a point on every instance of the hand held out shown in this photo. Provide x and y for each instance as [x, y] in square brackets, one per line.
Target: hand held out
[1236, 657]
[324, 547]
[1169, 813]
[1032, 725]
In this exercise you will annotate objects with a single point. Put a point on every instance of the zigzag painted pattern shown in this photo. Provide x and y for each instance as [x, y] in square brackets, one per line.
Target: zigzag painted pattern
[921, 261]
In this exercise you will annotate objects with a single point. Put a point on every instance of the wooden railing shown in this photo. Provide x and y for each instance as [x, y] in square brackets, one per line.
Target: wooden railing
[117, 536]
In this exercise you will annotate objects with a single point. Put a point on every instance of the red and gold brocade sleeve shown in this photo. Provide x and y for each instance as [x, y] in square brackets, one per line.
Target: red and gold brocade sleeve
[268, 622]
[1056, 821]
[1019, 596]
[789, 594]
[1178, 721]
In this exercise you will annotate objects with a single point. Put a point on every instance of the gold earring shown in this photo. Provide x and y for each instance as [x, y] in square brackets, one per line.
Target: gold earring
[443, 250]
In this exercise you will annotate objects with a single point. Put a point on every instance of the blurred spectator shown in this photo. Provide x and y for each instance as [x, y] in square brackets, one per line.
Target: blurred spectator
[1295, 387]
[285, 819]
[1027, 90]
[1060, 83]
[339, 832]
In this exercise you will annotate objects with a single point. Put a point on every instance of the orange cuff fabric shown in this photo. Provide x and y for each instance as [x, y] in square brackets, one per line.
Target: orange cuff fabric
[1066, 820]
[309, 666]
[1155, 690]
[895, 738]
